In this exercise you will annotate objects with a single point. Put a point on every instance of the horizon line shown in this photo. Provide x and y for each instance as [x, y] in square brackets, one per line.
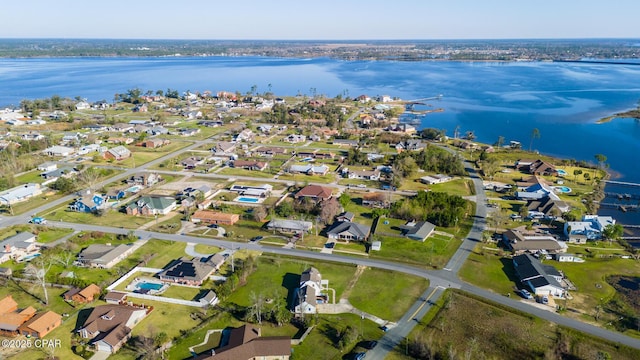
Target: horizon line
[325, 40]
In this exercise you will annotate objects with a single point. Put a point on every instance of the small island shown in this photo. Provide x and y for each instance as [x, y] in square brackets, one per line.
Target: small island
[633, 113]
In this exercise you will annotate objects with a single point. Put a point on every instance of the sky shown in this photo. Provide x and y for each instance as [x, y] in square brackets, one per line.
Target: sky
[320, 20]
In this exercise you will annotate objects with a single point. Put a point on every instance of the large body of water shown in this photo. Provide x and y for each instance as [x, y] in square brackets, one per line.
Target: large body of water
[492, 99]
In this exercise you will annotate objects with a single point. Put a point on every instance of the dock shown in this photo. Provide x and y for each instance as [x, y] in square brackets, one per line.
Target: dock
[623, 183]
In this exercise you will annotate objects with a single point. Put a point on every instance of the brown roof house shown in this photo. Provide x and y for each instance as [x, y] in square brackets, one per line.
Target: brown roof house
[245, 343]
[82, 296]
[314, 192]
[109, 326]
[214, 217]
[40, 325]
[10, 318]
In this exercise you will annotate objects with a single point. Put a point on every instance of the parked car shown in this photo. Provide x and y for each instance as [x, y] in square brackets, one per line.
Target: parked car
[257, 238]
[384, 328]
[369, 344]
[545, 299]
[360, 356]
[525, 294]
[330, 245]
[38, 221]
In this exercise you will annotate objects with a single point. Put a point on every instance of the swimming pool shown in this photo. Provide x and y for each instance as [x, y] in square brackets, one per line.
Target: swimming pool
[563, 189]
[134, 189]
[247, 199]
[149, 286]
[30, 257]
[561, 172]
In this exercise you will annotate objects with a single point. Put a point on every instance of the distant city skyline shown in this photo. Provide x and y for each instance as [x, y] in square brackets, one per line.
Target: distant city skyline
[323, 20]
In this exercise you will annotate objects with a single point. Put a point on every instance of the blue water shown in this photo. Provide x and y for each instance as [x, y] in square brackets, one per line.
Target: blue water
[562, 100]
[149, 286]
[245, 199]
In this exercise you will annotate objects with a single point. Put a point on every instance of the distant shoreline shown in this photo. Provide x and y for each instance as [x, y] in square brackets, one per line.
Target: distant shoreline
[629, 114]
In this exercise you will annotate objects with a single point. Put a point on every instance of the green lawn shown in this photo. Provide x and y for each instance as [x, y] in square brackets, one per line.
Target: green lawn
[34, 202]
[47, 234]
[207, 249]
[181, 292]
[243, 172]
[110, 218]
[161, 252]
[487, 269]
[169, 226]
[30, 177]
[435, 252]
[377, 286]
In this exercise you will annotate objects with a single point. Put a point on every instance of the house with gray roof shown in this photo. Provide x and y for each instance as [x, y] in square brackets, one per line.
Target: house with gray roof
[104, 256]
[541, 279]
[18, 246]
[348, 231]
[19, 194]
[290, 226]
[418, 230]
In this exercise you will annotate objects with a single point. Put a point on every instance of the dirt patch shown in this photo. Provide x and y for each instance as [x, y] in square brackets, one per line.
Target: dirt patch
[359, 270]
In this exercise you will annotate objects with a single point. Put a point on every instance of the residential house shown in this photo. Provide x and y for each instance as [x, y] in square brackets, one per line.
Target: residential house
[155, 143]
[146, 179]
[47, 166]
[418, 230]
[262, 191]
[119, 140]
[59, 151]
[72, 138]
[244, 135]
[345, 142]
[373, 175]
[90, 203]
[403, 128]
[192, 162]
[53, 175]
[223, 148]
[270, 151]
[152, 205]
[41, 324]
[294, 139]
[590, 228]
[250, 165]
[316, 193]
[536, 167]
[310, 292]
[36, 122]
[346, 216]
[309, 169]
[290, 226]
[122, 128]
[88, 149]
[19, 193]
[18, 246]
[32, 136]
[10, 318]
[82, 296]
[541, 279]
[82, 105]
[348, 231]
[109, 326]
[104, 256]
[157, 130]
[410, 145]
[520, 240]
[192, 271]
[435, 179]
[117, 153]
[246, 343]
[115, 297]
[214, 217]
[116, 194]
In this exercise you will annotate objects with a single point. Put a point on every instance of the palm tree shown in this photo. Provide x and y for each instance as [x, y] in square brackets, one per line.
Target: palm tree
[535, 134]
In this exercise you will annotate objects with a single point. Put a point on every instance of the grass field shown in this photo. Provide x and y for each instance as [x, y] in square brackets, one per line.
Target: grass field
[468, 328]
[376, 286]
[110, 218]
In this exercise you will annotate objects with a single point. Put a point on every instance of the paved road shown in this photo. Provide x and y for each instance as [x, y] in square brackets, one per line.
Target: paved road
[439, 280]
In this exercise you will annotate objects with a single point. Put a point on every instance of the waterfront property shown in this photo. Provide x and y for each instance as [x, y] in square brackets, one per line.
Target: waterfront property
[541, 279]
[590, 228]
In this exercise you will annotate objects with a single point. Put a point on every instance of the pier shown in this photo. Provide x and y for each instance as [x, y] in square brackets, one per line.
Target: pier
[621, 207]
[623, 183]
[623, 196]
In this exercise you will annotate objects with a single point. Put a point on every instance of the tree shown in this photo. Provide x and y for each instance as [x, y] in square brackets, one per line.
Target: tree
[38, 270]
[535, 134]
[576, 172]
[328, 210]
[344, 199]
[255, 310]
[285, 209]
[259, 213]
[612, 232]
[499, 142]
[601, 159]
[89, 178]
[64, 185]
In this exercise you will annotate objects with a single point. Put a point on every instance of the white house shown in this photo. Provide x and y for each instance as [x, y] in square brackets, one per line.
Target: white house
[310, 292]
[58, 151]
[19, 193]
[590, 228]
[435, 179]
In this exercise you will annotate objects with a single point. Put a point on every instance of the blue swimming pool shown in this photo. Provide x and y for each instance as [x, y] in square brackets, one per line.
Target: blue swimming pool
[149, 286]
[247, 199]
[561, 172]
[563, 189]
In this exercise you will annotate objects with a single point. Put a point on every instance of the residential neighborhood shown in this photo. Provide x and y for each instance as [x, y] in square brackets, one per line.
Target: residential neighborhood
[213, 226]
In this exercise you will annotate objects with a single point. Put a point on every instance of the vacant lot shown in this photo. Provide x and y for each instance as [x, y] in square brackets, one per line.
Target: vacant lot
[468, 328]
